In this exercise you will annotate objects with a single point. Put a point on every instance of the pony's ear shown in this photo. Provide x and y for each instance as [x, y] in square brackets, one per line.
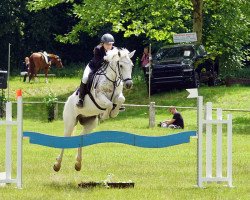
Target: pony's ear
[131, 54]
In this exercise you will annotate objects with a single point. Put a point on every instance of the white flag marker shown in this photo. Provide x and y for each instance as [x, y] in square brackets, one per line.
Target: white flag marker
[193, 93]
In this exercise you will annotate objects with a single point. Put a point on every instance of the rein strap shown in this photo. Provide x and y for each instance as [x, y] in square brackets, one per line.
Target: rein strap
[93, 99]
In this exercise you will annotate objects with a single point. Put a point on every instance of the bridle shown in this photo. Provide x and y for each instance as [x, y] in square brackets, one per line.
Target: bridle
[118, 77]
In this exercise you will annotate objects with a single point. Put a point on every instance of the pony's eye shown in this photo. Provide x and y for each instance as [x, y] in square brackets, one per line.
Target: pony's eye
[121, 66]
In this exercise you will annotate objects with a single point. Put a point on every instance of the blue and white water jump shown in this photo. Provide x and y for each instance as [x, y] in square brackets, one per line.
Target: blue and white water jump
[130, 139]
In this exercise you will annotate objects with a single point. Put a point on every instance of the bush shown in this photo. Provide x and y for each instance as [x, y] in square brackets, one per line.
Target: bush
[50, 102]
[240, 73]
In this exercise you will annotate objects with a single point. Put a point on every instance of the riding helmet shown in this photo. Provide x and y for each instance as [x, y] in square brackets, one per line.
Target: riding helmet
[107, 38]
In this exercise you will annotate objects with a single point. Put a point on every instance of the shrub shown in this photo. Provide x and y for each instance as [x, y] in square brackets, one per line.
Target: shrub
[50, 102]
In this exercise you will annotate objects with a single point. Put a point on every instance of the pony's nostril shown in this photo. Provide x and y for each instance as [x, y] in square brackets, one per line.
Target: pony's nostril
[129, 84]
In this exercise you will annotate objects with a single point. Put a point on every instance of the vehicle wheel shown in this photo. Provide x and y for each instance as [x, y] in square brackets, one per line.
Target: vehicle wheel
[196, 81]
[212, 80]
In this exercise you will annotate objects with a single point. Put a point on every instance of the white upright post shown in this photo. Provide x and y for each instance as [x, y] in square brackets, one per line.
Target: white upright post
[219, 145]
[229, 151]
[209, 140]
[199, 143]
[19, 140]
[8, 152]
[5, 177]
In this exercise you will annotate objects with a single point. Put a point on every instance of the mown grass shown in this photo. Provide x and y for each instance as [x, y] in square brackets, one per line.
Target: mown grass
[168, 173]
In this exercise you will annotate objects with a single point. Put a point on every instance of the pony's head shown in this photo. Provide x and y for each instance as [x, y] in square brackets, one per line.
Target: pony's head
[122, 59]
[56, 60]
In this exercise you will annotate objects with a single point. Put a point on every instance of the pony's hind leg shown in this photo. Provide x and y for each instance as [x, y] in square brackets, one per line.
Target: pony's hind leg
[89, 124]
[68, 130]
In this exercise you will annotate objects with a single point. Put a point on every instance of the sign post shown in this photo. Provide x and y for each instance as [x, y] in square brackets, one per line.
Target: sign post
[149, 73]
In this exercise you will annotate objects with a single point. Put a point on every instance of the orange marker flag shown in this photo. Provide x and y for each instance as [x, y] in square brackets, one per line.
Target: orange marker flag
[18, 93]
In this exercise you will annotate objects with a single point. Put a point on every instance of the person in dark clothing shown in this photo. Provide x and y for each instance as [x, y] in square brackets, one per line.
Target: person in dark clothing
[107, 41]
[175, 122]
[25, 68]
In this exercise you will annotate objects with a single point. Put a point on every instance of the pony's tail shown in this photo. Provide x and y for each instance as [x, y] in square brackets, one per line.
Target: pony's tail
[31, 68]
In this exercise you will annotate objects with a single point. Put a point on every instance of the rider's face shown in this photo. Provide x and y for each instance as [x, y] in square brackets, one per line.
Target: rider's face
[107, 46]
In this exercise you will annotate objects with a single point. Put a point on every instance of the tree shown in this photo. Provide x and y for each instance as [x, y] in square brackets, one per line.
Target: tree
[225, 30]
[197, 18]
[157, 19]
[10, 30]
[226, 24]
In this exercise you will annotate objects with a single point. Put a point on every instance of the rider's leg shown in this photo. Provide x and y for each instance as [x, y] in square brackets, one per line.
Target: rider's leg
[82, 89]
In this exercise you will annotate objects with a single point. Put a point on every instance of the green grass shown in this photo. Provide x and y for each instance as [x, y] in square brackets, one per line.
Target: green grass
[167, 173]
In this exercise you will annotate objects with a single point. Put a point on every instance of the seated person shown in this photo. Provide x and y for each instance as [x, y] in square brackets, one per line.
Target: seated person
[176, 122]
[25, 68]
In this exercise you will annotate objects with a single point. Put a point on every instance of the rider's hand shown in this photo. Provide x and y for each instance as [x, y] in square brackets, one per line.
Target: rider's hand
[105, 58]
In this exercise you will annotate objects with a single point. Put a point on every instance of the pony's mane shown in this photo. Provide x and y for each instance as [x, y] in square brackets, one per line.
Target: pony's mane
[122, 52]
[53, 55]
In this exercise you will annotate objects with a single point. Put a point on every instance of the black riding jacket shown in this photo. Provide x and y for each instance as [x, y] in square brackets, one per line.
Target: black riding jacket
[97, 60]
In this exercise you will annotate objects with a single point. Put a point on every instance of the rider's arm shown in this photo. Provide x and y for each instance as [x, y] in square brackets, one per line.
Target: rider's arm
[171, 121]
[98, 58]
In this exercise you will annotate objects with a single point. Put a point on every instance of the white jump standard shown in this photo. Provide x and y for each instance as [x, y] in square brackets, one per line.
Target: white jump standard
[208, 122]
[6, 177]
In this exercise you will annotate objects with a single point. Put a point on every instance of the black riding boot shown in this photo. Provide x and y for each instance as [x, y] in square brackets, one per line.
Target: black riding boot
[82, 93]
[24, 77]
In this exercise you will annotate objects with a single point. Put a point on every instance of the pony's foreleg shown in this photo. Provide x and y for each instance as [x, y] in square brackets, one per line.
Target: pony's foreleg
[106, 103]
[88, 127]
[119, 100]
[57, 165]
[69, 125]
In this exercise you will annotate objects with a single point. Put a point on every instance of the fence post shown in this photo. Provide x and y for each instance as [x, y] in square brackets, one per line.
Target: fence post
[152, 114]
[56, 111]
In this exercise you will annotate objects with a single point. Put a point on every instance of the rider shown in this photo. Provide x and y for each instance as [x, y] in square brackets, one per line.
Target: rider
[107, 41]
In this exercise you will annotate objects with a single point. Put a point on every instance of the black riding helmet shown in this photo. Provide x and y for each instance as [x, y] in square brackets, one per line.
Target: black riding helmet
[107, 38]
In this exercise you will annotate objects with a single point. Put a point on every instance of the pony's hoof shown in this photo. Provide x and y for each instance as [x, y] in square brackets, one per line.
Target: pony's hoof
[78, 166]
[56, 167]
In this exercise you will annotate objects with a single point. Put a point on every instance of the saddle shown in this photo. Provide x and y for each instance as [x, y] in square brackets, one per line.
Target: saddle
[46, 56]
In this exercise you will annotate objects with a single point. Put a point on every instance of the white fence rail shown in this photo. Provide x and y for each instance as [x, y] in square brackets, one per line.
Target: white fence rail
[152, 109]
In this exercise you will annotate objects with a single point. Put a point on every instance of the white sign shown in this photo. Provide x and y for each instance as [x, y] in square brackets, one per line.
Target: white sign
[185, 37]
[193, 93]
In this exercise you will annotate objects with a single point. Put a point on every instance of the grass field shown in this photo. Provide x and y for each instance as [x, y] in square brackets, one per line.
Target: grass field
[168, 173]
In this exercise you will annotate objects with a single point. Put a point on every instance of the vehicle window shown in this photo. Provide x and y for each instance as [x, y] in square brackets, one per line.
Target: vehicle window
[176, 52]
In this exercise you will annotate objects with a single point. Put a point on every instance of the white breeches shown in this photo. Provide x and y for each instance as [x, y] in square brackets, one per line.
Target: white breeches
[24, 73]
[85, 75]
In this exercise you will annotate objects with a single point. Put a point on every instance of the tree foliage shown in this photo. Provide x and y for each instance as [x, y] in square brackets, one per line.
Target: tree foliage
[226, 28]
[156, 19]
[32, 25]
